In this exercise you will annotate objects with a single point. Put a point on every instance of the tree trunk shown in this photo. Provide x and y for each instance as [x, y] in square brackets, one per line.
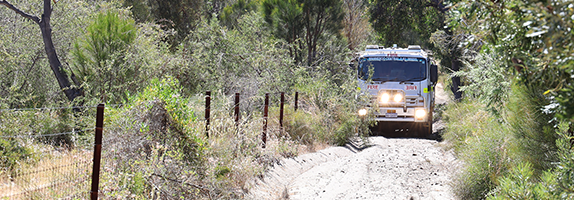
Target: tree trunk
[55, 64]
[44, 23]
[455, 88]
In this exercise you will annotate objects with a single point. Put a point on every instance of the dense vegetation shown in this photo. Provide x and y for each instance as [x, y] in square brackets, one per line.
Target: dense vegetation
[513, 129]
[152, 65]
[510, 65]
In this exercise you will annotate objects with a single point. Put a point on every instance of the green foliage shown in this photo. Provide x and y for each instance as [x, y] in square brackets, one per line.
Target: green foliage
[99, 60]
[177, 15]
[242, 60]
[13, 153]
[334, 121]
[531, 41]
[303, 23]
[482, 143]
[405, 22]
[156, 147]
[26, 79]
[491, 148]
[162, 100]
[532, 127]
[233, 12]
[486, 80]
[556, 183]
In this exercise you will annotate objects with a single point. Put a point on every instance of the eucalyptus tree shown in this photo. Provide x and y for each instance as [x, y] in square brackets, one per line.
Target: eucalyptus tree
[302, 23]
[71, 91]
[180, 16]
[357, 28]
[533, 38]
[405, 22]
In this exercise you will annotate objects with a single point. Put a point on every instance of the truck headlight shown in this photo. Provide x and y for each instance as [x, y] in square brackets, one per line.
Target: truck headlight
[362, 112]
[420, 114]
[398, 97]
[385, 98]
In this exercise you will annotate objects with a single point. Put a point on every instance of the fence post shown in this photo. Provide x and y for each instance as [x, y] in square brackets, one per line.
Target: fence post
[265, 112]
[97, 151]
[236, 109]
[296, 99]
[207, 111]
[281, 110]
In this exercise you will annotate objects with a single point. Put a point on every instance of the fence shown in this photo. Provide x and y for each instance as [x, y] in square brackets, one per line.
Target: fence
[65, 172]
[49, 170]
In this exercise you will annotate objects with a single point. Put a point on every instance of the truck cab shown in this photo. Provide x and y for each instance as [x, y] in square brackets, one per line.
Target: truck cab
[399, 85]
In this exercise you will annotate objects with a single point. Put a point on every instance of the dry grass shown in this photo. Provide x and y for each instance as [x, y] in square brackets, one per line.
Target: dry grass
[58, 174]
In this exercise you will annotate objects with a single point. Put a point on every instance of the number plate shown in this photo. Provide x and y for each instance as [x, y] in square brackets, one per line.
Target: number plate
[391, 115]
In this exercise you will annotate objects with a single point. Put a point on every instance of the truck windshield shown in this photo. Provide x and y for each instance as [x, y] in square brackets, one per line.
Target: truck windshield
[392, 68]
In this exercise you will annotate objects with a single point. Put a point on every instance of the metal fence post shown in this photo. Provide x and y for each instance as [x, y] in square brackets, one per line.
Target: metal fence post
[296, 99]
[281, 110]
[97, 151]
[207, 111]
[236, 109]
[265, 112]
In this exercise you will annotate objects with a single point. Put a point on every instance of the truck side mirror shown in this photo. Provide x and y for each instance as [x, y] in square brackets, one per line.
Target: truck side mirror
[353, 63]
[433, 73]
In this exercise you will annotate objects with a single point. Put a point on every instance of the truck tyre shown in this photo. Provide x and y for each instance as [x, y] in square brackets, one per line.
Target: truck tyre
[428, 127]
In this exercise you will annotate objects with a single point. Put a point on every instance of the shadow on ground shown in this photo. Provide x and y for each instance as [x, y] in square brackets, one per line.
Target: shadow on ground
[404, 131]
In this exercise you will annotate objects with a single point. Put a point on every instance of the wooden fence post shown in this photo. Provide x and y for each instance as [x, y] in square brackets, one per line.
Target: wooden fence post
[97, 151]
[281, 110]
[236, 110]
[207, 111]
[296, 99]
[265, 114]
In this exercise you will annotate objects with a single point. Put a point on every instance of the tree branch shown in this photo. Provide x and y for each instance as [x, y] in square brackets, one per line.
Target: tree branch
[20, 12]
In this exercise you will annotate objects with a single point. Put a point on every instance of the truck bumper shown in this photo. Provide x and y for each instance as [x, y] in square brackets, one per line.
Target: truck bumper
[388, 114]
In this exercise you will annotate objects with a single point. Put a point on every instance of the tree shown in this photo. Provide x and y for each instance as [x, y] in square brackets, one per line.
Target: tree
[405, 22]
[356, 24]
[179, 15]
[230, 14]
[534, 38]
[99, 57]
[305, 20]
[43, 22]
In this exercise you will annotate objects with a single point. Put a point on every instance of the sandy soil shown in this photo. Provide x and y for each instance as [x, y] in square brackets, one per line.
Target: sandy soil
[382, 168]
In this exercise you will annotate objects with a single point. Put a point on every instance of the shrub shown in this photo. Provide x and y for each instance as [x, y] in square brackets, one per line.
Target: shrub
[12, 153]
[99, 57]
[483, 144]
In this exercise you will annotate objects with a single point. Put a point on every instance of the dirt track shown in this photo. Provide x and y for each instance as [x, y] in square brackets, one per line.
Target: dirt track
[381, 169]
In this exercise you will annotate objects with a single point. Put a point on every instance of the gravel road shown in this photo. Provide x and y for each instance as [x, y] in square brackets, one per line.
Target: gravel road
[386, 169]
[383, 168]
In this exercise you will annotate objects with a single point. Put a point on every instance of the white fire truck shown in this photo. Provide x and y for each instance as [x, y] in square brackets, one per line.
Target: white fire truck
[399, 85]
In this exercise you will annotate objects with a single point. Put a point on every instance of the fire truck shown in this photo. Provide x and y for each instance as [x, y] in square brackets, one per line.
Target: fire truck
[398, 85]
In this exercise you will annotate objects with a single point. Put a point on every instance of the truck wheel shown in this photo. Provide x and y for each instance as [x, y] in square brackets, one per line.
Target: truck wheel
[428, 127]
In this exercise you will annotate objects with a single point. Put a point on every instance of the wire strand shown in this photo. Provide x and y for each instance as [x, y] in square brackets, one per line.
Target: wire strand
[46, 135]
[46, 108]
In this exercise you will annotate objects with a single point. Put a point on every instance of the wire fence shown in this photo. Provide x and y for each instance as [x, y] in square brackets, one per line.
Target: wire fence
[52, 170]
[47, 170]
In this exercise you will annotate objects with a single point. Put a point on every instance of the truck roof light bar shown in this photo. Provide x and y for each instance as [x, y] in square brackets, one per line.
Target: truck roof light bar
[414, 47]
[374, 47]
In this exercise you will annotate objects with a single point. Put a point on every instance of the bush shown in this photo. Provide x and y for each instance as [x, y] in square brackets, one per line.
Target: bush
[13, 153]
[483, 144]
[555, 183]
